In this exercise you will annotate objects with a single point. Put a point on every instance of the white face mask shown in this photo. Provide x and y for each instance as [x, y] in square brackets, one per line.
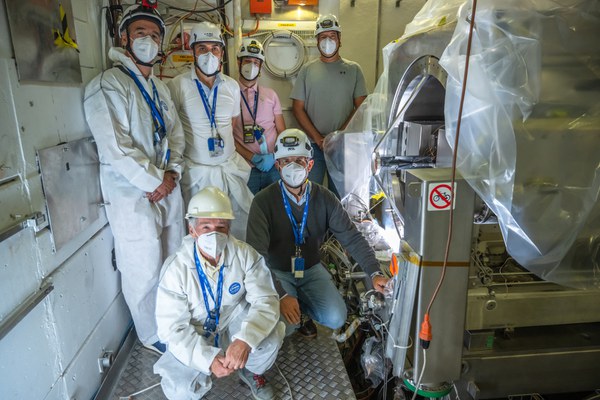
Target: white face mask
[145, 49]
[250, 71]
[212, 243]
[208, 63]
[294, 174]
[328, 46]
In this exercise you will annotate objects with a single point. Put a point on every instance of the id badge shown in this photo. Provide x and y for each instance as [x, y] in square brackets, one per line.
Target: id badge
[298, 267]
[258, 133]
[162, 153]
[249, 134]
[210, 324]
[215, 146]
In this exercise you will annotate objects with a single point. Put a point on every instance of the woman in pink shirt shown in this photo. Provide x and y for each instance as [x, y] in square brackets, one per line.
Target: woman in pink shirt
[261, 119]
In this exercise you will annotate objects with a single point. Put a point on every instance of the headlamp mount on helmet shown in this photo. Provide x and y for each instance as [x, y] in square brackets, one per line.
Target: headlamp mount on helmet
[290, 141]
[150, 3]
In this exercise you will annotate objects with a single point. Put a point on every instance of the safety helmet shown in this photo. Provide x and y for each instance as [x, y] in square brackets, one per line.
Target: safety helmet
[327, 22]
[292, 142]
[251, 48]
[210, 202]
[206, 32]
[137, 12]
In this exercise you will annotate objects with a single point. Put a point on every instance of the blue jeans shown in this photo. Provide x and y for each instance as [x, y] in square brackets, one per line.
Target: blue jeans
[319, 169]
[260, 180]
[317, 295]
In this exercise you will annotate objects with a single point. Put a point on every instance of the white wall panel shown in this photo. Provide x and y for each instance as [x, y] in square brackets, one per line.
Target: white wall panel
[29, 361]
[19, 272]
[85, 286]
[82, 376]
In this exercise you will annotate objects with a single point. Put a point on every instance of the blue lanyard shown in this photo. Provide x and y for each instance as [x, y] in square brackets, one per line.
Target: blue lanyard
[252, 114]
[205, 285]
[210, 111]
[298, 230]
[157, 118]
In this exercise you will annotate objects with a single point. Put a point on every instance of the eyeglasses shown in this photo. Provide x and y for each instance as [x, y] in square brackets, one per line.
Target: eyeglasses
[303, 161]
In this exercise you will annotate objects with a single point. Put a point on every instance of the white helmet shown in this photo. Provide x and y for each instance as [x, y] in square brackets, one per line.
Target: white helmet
[210, 202]
[206, 32]
[292, 142]
[328, 22]
[251, 48]
[137, 12]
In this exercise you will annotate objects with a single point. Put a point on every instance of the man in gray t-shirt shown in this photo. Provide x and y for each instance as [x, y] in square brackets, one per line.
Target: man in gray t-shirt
[327, 92]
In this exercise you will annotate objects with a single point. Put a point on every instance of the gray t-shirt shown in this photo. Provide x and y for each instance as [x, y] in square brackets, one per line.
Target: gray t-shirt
[328, 91]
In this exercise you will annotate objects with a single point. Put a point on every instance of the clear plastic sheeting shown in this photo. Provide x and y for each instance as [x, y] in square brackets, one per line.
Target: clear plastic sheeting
[372, 361]
[531, 127]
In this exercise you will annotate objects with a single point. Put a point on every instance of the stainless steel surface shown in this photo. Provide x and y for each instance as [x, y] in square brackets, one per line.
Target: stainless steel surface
[313, 368]
[558, 359]
[20, 312]
[37, 221]
[71, 181]
[426, 232]
[537, 305]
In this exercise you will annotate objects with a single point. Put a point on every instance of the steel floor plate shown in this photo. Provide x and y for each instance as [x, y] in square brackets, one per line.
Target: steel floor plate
[313, 368]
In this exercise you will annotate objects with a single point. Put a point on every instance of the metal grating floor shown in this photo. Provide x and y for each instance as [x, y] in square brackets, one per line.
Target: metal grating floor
[313, 368]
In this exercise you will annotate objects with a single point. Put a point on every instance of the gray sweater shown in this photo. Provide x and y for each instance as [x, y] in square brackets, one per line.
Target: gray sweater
[270, 232]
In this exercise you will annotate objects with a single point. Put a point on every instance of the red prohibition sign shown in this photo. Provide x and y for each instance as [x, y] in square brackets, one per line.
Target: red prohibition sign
[438, 199]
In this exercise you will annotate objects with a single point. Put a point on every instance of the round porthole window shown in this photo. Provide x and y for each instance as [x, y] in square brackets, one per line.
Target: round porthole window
[284, 54]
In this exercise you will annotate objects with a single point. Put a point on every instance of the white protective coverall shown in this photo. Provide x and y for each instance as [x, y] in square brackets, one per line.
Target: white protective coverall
[145, 233]
[249, 312]
[229, 171]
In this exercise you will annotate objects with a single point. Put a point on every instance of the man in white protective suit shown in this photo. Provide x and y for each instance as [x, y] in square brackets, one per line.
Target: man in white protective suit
[217, 308]
[208, 103]
[140, 143]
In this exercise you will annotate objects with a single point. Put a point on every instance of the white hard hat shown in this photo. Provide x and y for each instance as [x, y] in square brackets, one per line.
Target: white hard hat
[292, 142]
[137, 12]
[327, 22]
[210, 202]
[251, 48]
[206, 32]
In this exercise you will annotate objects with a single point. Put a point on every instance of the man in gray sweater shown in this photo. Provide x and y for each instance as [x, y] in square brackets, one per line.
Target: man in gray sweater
[287, 224]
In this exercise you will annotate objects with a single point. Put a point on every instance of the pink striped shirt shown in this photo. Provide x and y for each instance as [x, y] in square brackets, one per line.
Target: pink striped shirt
[268, 106]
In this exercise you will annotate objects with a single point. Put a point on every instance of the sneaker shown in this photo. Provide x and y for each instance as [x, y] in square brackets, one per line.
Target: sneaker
[308, 329]
[260, 388]
[157, 347]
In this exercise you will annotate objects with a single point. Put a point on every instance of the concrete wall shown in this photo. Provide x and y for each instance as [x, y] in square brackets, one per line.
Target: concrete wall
[52, 353]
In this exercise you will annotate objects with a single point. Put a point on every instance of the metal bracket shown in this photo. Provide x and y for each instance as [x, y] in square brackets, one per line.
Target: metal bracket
[37, 221]
[20, 312]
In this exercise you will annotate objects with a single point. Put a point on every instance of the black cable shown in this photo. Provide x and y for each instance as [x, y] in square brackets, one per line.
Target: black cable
[198, 11]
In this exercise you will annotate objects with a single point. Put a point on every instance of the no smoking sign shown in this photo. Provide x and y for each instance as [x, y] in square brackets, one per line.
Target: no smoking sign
[439, 196]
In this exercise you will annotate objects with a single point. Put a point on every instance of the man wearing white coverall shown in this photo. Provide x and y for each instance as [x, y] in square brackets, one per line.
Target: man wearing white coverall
[217, 309]
[140, 143]
[208, 103]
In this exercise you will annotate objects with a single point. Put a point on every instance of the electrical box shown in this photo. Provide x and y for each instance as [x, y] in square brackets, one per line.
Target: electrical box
[260, 6]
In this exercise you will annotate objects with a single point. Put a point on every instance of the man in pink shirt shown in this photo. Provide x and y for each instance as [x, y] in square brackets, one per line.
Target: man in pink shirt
[261, 119]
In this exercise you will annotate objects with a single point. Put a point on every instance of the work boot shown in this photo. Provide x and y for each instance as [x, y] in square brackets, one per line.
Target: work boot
[261, 389]
[156, 347]
[307, 329]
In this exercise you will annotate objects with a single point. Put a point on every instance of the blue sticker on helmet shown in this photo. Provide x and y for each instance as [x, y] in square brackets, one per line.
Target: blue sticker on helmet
[234, 288]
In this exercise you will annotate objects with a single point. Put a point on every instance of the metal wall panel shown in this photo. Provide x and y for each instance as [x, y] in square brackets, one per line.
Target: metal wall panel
[19, 276]
[82, 376]
[29, 360]
[84, 288]
[70, 174]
